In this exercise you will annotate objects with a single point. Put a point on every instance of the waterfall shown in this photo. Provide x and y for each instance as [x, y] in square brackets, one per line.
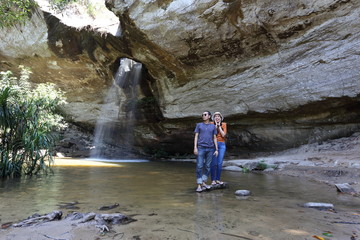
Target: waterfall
[114, 116]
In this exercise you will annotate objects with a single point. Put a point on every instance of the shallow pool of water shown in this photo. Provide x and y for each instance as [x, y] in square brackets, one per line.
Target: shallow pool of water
[166, 190]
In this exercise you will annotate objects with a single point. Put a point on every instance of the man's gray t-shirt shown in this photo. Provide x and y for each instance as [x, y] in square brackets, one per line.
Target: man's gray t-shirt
[206, 134]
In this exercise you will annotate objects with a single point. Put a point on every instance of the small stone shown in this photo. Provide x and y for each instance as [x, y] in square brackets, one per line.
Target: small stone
[271, 12]
[320, 206]
[344, 188]
[242, 193]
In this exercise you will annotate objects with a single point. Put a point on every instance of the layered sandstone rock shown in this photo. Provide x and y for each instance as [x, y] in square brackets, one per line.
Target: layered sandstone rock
[283, 73]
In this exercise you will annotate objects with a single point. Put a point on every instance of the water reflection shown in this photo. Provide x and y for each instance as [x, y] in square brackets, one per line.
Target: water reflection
[273, 211]
[117, 160]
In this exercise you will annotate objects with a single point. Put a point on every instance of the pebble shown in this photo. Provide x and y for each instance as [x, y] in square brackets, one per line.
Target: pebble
[242, 193]
[319, 205]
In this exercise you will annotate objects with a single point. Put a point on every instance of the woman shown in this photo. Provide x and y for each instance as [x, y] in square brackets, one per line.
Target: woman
[216, 164]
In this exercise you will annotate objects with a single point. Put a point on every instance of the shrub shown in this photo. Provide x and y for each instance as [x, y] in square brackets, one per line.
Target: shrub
[245, 170]
[60, 4]
[28, 122]
[15, 11]
[261, 166]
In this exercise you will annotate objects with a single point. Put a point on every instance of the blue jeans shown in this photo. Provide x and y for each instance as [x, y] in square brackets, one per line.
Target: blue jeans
[203, 162]
[216, 164]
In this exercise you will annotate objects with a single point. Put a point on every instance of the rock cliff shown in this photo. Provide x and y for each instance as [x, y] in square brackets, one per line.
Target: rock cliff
[283, 73]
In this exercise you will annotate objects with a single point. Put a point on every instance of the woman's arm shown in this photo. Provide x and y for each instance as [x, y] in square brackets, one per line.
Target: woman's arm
[223, 130]
[216, 146]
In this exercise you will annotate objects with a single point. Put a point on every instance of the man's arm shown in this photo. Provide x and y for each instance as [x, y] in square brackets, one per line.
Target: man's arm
[195, 143]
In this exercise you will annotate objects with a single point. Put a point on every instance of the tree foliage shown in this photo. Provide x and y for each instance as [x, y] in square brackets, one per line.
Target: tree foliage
[60, 4]
[15, 11]
[28, 122]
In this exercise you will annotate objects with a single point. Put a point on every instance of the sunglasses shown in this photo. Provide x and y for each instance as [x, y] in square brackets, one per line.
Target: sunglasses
[204, 114]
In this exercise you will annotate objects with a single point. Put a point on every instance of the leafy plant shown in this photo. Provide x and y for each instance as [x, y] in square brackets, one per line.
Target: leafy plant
[60, 4]
[15, 11]
[28, 121]
[275, 167]
[261, 166]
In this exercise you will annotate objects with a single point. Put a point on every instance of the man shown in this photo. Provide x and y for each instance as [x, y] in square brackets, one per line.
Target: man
[205, 146]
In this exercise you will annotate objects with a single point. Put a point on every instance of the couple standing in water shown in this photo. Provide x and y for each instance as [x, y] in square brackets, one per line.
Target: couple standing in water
[209, 147]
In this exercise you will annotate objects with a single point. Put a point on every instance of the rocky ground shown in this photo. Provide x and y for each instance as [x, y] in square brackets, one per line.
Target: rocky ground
[332, 162]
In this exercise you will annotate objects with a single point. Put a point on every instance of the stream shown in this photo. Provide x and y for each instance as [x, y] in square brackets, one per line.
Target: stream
[162, 197]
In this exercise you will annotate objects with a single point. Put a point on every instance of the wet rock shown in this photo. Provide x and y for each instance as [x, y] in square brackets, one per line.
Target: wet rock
[87, 217]
[242, 193]
[233, 168]
[69, 205]
[103, 208]
[269, 170]
[103, 228]
[306, 164]
[320, 206]
[116, 218]
[36, 218]
[74, 216]
[251, 165]
[344, 188]
[101, 221]
[6, 225]
[335, 173]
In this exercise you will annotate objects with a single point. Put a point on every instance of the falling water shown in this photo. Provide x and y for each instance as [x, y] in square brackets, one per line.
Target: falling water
[126, 86]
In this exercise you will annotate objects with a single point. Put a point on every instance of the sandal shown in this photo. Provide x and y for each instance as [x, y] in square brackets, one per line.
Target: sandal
[199, 189]
[206, 186]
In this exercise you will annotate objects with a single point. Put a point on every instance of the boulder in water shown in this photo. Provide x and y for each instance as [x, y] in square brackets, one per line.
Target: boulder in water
[242, 193]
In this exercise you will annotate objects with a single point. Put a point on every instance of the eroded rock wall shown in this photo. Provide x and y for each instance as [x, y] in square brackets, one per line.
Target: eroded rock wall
[284, 73]
[248, 55]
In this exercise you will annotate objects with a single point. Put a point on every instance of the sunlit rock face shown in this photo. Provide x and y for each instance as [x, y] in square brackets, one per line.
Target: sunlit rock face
[283, 73]
[242, 56]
